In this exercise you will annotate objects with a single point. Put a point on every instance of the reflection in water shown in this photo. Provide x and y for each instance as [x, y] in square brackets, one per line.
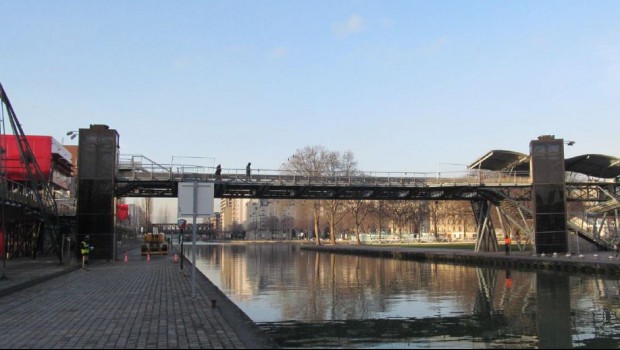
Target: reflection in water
[553, 310]
[311, 299]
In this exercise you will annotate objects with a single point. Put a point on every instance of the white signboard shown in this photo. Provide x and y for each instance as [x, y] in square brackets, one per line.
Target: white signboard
[199, 193]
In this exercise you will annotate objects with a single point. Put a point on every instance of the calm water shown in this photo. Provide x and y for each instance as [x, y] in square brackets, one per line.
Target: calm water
[306, 299]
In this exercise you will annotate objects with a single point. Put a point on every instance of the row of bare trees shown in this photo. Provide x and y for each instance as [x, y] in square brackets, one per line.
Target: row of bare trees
[368, 215]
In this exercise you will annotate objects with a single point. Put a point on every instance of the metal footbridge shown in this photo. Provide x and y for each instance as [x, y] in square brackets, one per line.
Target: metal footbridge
[508, 191]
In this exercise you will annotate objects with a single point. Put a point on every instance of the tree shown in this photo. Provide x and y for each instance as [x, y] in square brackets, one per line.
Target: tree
[317, 161]
[359, 209]
[310, 162]
[400, 212]
[286, 222]
[419, 215]
[272, 223]
[379, 214]
[338, 165]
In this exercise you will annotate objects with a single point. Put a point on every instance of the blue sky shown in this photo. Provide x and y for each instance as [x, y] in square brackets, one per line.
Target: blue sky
[404, 85]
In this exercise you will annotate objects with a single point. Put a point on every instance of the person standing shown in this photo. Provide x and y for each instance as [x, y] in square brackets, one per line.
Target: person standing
[85, 249]
[248, 172]
[507, 243]
[218, 172]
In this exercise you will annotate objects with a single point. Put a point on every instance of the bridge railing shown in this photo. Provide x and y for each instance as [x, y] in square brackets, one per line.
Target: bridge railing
[16, 192]
[138, 167]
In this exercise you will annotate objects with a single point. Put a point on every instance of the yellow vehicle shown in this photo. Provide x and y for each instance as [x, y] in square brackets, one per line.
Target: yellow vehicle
[155, 244]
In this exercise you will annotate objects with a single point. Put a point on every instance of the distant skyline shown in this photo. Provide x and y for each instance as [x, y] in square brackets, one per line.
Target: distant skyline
[404, 85]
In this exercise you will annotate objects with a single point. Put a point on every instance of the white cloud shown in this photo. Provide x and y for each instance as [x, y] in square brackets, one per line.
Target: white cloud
[352, 25]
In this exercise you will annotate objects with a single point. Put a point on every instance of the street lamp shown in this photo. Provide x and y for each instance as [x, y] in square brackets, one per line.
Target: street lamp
[73, 134]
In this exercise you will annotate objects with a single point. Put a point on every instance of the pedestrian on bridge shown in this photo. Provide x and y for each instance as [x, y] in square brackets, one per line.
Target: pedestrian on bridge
[248, 172]
[218, 172]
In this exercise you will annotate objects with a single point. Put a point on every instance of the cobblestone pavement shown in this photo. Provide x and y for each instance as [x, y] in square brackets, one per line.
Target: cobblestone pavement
[125, 305]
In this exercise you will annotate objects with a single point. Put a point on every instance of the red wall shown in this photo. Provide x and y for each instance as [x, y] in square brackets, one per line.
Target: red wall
[41, 147]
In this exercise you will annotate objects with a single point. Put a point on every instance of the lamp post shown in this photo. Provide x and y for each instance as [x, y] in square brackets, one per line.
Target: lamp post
[73, 134]
[181, 223]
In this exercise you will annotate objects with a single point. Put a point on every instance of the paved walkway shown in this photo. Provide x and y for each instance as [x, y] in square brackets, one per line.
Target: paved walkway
[133, 304]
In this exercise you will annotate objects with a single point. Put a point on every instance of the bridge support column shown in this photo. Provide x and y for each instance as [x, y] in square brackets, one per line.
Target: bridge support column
[549, 194]
[97, 159]
[486, 240]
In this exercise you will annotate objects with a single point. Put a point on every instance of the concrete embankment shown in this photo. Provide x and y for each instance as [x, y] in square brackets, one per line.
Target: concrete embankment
[601, 262]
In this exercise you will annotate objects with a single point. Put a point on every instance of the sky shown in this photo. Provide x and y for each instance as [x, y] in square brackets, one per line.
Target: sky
[405, 85]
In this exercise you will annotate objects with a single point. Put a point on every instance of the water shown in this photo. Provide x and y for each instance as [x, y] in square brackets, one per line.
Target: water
[306, 299]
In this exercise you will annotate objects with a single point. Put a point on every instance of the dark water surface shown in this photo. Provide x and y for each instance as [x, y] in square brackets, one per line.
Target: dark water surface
[307, 299]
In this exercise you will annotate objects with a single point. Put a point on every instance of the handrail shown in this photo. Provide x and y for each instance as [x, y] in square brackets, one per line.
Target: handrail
[20, 193]
[135, 168]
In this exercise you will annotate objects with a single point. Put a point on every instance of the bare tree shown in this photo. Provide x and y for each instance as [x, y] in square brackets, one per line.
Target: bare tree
[419, 215]
[286, 222]
[434, 211]
[359, 210]
[317, 161]
[272, 223]
[310, 162]
[338, 165]
[400, 213]
[379, 214]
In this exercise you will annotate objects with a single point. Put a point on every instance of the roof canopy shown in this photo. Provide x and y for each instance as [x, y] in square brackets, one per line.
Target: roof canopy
[595, 165]
[500, 160]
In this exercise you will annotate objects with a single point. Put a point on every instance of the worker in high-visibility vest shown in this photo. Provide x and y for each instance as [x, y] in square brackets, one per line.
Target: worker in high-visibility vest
[507, 243]
[85, 249]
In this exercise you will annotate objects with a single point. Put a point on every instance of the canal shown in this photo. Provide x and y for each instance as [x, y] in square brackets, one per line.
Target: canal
[307, 299]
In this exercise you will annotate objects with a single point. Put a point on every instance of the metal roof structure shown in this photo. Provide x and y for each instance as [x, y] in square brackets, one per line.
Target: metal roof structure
[501, 160]
[595, 165]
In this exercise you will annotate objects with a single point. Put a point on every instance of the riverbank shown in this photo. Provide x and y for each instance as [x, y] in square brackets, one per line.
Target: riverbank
[601, 262]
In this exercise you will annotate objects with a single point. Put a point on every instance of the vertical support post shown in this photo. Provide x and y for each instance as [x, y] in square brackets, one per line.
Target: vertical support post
[549, 194]
[195, 212]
